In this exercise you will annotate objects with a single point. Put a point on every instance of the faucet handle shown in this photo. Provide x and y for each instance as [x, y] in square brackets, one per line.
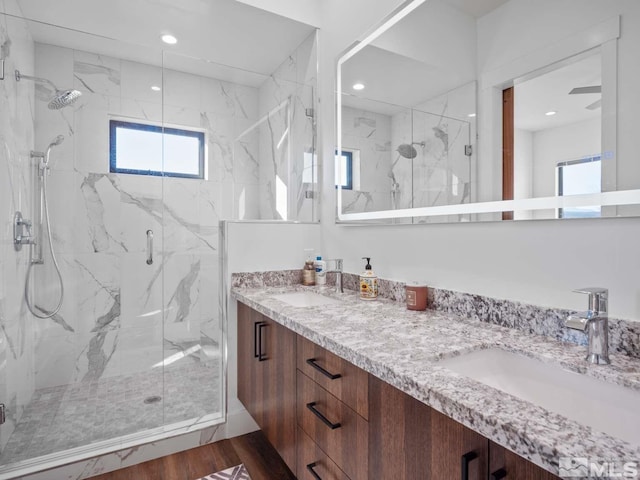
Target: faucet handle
[598, 298]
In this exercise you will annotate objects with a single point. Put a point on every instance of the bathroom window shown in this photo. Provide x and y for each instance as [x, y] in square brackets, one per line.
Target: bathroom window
[144, 149]
[344, 170]
[577, 177]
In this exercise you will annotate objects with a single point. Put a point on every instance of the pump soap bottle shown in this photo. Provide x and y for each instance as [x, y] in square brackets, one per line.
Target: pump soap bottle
[368, 282]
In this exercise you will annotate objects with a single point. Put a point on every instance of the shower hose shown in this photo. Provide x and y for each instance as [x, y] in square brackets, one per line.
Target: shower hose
[33, 308]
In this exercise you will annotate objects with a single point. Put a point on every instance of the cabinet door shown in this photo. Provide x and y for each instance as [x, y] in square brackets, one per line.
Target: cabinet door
[504, 464]
[250, 383]
[267, 378]
[454, 446]
[399, 428]
[277, 367]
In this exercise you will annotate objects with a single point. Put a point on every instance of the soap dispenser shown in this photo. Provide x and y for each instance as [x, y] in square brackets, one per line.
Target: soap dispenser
[368, 282]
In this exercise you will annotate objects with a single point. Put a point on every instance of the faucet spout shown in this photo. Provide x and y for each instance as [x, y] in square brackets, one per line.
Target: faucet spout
[594, 322]
[337, 269]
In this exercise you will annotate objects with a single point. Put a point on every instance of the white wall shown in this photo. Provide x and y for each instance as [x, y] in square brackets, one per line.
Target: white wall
[539, 262]
[554, 145]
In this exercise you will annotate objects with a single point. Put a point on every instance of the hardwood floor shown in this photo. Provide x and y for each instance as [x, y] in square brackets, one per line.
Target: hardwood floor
[253, 449]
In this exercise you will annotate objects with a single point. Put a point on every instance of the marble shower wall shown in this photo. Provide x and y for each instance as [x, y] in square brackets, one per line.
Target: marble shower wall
[368, 135]
[270, 157]
[16, 141]
[111, 322]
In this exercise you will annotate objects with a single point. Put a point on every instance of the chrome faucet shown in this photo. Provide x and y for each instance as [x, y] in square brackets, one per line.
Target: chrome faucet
[595, 321]
[337, 269]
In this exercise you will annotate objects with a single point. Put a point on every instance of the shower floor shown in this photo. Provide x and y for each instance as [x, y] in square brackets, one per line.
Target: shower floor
[69, 416]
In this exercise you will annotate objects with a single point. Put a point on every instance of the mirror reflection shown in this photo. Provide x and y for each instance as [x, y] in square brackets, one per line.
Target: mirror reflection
[458, 102]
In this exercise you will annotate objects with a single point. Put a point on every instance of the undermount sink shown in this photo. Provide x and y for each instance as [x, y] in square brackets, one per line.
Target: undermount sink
[305, 299]
[603, 406]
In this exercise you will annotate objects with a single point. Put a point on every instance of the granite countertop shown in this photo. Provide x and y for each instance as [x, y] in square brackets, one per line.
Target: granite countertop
[403, 347]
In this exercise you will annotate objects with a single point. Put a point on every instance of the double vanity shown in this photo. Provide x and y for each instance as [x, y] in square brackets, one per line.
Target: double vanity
[346, 389]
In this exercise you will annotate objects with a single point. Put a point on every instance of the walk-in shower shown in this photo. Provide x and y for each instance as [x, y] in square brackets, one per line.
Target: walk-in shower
[134, 352]
[60, 98]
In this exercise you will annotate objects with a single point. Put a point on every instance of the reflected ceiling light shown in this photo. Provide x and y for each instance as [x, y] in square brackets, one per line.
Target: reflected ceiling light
[550, 114]
[471, 115]
[169, 39]
[155, 88]
[358, 86]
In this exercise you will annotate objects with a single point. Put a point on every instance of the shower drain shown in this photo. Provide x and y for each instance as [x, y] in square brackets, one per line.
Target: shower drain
[152, 399]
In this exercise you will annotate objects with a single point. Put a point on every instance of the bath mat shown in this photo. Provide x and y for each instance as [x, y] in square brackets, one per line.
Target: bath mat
[239, 472]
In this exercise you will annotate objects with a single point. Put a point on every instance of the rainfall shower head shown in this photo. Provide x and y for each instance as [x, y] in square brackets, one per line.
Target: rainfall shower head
[407, 151]
[61, 98]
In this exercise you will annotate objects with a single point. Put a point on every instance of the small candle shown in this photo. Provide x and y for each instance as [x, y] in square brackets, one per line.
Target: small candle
[416, 295]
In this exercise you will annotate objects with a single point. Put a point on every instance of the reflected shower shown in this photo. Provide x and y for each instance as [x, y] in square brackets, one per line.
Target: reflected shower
[409, 152]
[61, 98]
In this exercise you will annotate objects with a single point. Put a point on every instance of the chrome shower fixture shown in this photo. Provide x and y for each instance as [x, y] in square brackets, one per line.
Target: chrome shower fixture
[61, 98]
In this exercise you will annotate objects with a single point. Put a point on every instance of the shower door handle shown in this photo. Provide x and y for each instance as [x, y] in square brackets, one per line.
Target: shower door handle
[149, 247]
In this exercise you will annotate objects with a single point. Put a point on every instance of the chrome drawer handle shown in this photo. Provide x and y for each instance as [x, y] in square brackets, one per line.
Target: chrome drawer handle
[331, 376]
[149, 247]
[325, 420]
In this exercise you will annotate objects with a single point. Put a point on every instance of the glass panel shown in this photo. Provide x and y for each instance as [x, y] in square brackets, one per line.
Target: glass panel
[274, 168]
[85, 374]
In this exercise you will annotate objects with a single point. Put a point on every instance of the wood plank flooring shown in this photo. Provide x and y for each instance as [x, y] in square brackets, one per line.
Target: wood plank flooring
[253, 449]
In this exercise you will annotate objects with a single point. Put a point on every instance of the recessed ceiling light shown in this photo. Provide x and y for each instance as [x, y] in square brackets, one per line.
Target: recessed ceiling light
[551, 113]
[358, 86]
[155, 88]
[471, 115]
[169, 39]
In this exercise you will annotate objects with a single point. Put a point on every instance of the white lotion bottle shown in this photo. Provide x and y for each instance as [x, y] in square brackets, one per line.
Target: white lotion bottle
[321, 271]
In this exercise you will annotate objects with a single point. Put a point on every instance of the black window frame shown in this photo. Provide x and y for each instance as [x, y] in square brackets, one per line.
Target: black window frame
[113, 168]
[349, 160]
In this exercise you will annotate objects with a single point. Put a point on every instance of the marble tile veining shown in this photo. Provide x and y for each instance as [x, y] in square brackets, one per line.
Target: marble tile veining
[403, 347]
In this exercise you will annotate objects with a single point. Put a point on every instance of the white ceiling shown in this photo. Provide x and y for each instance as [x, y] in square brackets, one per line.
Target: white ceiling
[221, 31]
[476, 8]
[550, 92]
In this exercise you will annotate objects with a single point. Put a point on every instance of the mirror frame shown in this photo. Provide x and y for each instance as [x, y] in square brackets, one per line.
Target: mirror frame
[602, 35]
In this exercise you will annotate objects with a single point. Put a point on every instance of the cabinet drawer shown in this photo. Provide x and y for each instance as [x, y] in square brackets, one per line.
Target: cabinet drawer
[351, 385]
[338, 430]
[312, 458]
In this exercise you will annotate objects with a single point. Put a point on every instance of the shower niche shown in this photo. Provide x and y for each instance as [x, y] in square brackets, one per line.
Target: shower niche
[135, 351]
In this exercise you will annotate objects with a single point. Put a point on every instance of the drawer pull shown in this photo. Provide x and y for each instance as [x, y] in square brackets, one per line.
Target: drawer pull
[332, 376]
[312, 471]
[261, 356]
[499, 474]
[466, 459]
[325, 420]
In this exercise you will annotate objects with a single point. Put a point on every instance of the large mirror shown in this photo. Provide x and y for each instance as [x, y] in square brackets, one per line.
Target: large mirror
[470, 110]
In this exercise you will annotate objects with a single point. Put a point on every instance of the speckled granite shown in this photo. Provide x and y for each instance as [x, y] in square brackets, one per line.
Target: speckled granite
[403, 347]
[624, 336]
[279, 278]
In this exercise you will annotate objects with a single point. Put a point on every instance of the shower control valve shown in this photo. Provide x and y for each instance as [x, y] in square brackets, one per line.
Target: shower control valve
[21, 232]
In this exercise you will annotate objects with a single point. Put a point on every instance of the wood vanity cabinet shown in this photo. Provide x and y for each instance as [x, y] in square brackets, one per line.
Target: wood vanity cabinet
[267, 378]
[409, 440]
[330, 420]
